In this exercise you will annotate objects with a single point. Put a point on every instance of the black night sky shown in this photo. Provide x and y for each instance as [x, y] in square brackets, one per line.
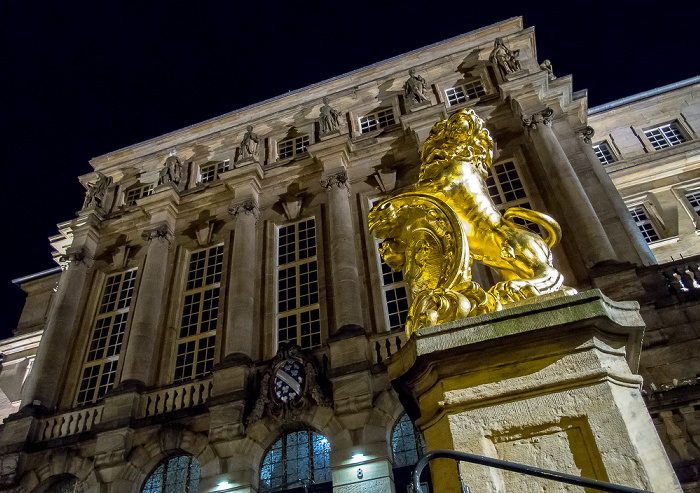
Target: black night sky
[82, 79]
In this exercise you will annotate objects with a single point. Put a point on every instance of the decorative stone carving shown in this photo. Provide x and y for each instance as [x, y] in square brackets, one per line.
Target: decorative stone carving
[249, 144]
[329, 118]
[289, 385]
[96, 192]
[547, 65]
[203, 231]
[171, 171]
[505, 61]
[160, 233]
[338, 179]
[588, 134]
[545, 116]
[75, 256]
[247, 206]
[414, 88]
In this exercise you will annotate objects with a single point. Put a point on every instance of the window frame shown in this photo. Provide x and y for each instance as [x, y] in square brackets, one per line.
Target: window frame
[145, 190]
[218, 167]
[198, 336]
[92, 338]
[384, 288]
[187, 483]
[284, 460]
[464, 86]
[602, 146]
[295, 152]
[298, 310]
[378, 127]
[673, 124]
[649, 220]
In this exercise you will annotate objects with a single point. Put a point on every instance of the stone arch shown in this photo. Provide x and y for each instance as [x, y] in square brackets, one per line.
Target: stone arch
[165, 442]
[56, 464]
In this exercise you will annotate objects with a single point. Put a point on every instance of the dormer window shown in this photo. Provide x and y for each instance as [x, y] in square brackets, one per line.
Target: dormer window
[378, 119]
[292, 146]
[464, 91]
[136, 193]
[211, 171]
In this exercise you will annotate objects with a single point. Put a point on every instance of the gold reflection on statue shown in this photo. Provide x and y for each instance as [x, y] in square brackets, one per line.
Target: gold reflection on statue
[434, 232]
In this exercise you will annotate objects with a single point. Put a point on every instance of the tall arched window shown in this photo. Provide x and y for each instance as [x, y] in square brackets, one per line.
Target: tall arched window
[408, 446]
[297, 460]
[175, 475]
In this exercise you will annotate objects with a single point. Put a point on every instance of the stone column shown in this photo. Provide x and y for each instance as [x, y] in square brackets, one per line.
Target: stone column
[241, 285]
[44, 381]
[347, 307]
[143, 337]
[630, 227]
[592, 239]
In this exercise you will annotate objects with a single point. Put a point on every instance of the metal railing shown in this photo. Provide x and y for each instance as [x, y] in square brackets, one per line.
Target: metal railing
[519, 468]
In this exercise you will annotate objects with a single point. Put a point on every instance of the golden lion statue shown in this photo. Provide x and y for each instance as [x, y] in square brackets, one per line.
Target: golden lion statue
[434, 232]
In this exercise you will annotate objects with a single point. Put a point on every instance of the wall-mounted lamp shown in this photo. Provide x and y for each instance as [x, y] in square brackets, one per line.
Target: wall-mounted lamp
[357, 458]
[223, 485]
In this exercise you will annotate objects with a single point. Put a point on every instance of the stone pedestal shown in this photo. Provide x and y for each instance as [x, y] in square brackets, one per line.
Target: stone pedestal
[547, 384]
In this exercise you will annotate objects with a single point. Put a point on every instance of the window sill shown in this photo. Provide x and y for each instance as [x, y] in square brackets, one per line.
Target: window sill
[663, 242]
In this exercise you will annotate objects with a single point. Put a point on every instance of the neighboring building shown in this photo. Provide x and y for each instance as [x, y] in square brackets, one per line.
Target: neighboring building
[223, 319]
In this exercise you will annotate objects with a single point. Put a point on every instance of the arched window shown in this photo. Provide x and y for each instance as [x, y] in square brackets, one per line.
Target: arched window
[408, 446]
[175, 475]
[297, 460]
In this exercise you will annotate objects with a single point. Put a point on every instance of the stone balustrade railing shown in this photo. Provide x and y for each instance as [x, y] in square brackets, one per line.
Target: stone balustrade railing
[170, 399]
[678, 280]
[67, 424]
[384, 345]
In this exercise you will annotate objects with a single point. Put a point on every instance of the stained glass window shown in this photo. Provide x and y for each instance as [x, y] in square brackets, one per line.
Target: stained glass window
[298, 459]
[406, 443]
[175, 475]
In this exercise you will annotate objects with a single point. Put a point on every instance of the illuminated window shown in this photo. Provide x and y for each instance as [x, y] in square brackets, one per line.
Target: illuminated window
[100, 366]
[175, 475]
[297, 460]
[462, 92]
[694, 199]
[195, 348]
[378, 119]
[135, 193]
[665, 136]
[292, 147]
[604, 153]
[506, 190]
[639, 214]
[211, 171]
[298, 311]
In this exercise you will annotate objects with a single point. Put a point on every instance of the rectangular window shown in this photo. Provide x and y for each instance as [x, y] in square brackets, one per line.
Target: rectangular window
[639, 214]
[604, 153]
[395, 292]
[133, 194]
[506, 190]
[292, 147]
[298, 309]
[694, 199]
[378, 119]
[462, 92]
[195, 347]
[665, 136]
[211, 171]
[100, 366]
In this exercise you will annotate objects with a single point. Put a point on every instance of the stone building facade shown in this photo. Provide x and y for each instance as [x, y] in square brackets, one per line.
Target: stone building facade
[221, 319]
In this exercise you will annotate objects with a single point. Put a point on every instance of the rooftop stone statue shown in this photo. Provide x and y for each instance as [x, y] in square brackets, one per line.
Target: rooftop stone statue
[503, 59]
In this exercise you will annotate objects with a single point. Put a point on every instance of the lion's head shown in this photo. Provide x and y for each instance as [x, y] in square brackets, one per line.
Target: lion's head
[463, 138]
